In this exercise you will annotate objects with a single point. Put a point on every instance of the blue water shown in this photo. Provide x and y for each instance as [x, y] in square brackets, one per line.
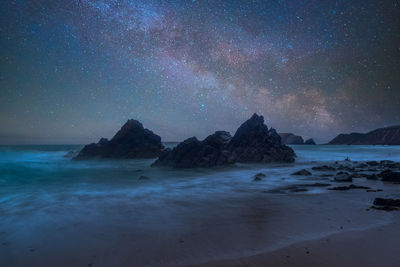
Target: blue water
[22, 167]
[46, 198]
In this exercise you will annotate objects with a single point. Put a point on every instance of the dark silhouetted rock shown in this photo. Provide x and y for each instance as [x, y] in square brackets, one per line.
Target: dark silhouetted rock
[291, 139]
[253, 142]
[373, 190]
[297, 190]
[386, 162]
[387, 202]
[390, 176]
[193, 153]
[131, 141]
[352, 186]
[382, 136]
[303, 172]
[258, 176]
[309, 142]
[323, 168]
[143, 177]
[362, 165]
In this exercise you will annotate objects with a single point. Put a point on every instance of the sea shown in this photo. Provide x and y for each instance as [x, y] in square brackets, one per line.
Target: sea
[49, 202]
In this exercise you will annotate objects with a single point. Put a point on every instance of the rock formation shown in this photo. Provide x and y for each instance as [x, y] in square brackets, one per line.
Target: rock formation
[382, 136]
[291, 139]
[131, 141]
[192, 153]
[253, 142]
[309, 142]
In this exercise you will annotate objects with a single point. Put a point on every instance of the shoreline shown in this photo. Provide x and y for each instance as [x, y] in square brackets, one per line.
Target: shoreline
[110, 217]
[375, 246]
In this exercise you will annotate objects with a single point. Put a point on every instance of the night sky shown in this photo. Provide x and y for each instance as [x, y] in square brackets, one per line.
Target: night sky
[73, 71]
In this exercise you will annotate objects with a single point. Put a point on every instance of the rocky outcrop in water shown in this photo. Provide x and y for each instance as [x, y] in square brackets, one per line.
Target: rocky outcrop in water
[253, 142]
[291, 139]
[192, 153]
[382, 136]
[386, 204]
[131, 141]
[302, 172]
[309, 142]
[390, 176]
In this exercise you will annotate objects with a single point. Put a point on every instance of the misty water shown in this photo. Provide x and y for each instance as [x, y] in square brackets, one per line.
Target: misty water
[49, 201]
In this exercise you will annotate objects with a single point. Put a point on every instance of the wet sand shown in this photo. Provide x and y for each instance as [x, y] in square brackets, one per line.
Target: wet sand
[247, 228]
[378, 246]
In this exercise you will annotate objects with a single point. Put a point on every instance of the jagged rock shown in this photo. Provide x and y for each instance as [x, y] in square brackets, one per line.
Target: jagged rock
[302, 172]
[390, 176]
[323, 168]
[385, 208]
[390, 164]
[386, 162]
[343, 177]
[253, 142]
[193, 153]
[309, 142]
[387, 202]
[291, 139]
[362, 165]
[131, 141]
[382, 136]
[352, 186]
[259, 176]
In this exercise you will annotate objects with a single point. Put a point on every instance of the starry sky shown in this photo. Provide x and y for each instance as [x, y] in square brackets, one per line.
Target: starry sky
[74, 71]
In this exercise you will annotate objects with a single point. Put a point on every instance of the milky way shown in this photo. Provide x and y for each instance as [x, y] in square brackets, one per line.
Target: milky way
[73, 71]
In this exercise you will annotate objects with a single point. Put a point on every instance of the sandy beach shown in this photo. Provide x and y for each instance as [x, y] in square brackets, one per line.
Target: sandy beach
[250, 228]
[334, 230]
[378, 246]
[58, 212]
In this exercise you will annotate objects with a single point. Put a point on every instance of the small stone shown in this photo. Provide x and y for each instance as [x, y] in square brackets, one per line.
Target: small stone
[257, 178]
[302, 172]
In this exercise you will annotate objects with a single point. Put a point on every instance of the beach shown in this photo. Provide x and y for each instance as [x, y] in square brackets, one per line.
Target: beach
[372, 247]
[57, 212]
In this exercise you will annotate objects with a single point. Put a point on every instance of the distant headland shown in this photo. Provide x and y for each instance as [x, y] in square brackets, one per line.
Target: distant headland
[382, 136]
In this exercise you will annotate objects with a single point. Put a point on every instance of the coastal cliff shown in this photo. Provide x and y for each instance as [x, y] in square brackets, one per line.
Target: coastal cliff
[381, 136]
